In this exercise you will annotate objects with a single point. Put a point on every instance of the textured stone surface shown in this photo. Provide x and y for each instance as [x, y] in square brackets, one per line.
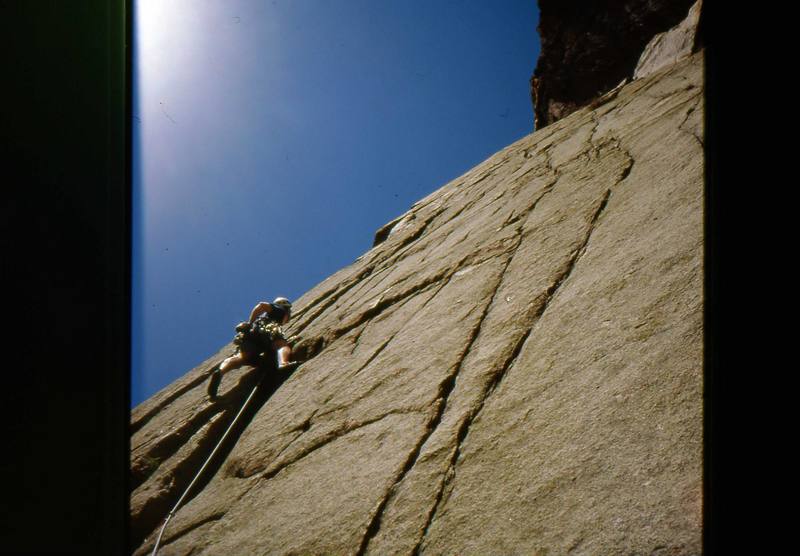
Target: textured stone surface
[588, 47]
[671, 46]
[514, 368]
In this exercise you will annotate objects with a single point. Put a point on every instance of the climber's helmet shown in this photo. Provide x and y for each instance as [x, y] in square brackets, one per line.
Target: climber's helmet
[284, 304]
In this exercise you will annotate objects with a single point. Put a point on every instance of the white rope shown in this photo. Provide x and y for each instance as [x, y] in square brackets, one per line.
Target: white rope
[200, 472]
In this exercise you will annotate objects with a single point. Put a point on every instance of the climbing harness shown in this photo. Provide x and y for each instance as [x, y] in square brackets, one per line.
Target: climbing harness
[261, 332]
[254, 335]
[200, 472]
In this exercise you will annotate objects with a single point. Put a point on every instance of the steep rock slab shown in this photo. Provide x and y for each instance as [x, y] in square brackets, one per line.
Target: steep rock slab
[513, 368]
[587, 48]
[592, 443]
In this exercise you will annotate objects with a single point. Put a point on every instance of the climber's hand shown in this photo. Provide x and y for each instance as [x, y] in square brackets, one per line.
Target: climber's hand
[242, 326]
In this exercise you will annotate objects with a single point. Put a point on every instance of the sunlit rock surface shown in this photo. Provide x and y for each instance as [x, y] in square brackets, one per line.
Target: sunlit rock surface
[671, 46]
[514, 368]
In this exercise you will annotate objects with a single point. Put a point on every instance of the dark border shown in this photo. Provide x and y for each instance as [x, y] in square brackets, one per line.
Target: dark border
[66, 276]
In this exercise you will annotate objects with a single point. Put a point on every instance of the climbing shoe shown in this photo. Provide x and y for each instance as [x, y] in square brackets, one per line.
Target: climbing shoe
[289, 366]
[213, 383]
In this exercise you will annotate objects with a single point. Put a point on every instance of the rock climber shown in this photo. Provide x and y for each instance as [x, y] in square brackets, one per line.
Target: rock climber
[262, 333]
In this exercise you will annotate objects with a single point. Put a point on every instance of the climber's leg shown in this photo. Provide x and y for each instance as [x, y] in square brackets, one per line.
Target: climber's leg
[235, 361]
[284, 351]
[283, 356]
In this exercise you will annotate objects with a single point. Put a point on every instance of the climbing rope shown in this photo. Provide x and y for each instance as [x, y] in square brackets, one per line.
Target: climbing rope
[200, 472]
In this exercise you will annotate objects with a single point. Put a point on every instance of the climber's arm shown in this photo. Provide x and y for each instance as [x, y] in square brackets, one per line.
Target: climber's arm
[260, 309]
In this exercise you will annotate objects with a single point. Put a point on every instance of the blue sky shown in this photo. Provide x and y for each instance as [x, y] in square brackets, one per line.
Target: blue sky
[272, 138]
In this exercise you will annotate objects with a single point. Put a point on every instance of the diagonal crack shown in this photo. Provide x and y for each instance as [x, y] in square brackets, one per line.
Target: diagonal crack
[379, 307]
[465, 424]
[312, 348]
[463, 430]
[384, 303]
[334, 296]
[186, 530]
[307, 423]
[686, 118]
[402, 303]
[418, 233]
[442, 241]
[370, 360]
[145, 464]
[358, 337]
[344, 429]
[405, 245]
[375, 354]
[316, 413]
[497, 377]
[446, 387]
[397, 253]
[301, 432]
[137, 424]
[164, 490]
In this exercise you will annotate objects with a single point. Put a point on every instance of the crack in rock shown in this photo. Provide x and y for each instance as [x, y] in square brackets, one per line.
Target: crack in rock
[167, 488]
[337, 293]
[450, 415]
[465, 424]
[406, 243]
[171, 484]
[186, 530]
[312, 347]
[341, 431]
[375, 354]
[144, 465]
[372, 357]
[686, 118]
[137, 424]
[445, 389]
[358, 337]
[471, 259]
[497, 377]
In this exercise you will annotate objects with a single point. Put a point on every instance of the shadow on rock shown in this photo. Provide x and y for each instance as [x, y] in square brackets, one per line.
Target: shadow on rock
[261, 383]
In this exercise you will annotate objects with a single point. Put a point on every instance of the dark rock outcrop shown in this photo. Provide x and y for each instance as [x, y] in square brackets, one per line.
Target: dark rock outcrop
[514, 368]
[589, 46]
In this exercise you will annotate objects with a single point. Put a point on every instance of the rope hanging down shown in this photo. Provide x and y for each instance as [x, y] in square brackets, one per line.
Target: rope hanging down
[200, 472]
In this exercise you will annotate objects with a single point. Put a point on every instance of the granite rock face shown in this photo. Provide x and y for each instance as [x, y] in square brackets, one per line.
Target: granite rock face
[588, 47]
[671, 46]
[514, 368]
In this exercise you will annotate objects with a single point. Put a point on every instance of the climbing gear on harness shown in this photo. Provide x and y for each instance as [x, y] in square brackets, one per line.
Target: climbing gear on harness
[258, 336]
[264, 327]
